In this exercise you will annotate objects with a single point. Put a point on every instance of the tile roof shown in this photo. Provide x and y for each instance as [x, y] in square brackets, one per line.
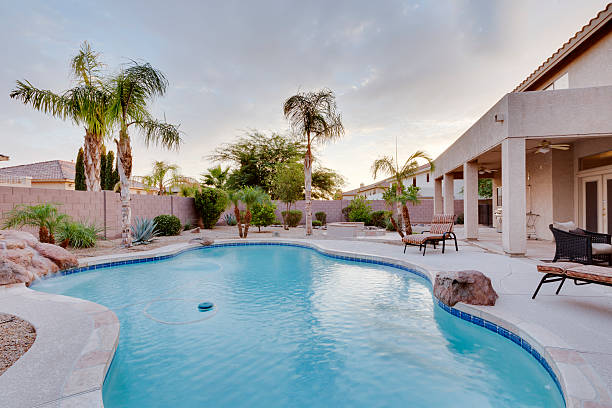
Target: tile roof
[47, 170]
[585, 32]
[3, 157]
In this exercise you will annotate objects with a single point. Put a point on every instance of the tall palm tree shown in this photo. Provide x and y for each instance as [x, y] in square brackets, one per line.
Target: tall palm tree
[216, 177]
[314, 116]
[84, 104]
[158, 178]
[132, 89]
[390, 167]
[250, 196]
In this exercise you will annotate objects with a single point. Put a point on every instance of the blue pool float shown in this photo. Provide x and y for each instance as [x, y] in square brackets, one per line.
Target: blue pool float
[205, 306]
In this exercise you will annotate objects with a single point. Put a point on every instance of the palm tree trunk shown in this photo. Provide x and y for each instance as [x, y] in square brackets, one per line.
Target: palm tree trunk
[237, 214]
[398, 206]
[285, 227]
[406, 215]
[124, 167]
[308, 188]
[91, 152]
[247, 222]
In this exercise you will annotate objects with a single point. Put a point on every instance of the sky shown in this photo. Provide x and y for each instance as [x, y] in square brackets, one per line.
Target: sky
[417, 72]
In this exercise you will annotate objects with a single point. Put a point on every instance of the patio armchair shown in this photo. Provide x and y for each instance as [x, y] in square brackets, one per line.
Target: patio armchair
[578, 245]
[441, 229]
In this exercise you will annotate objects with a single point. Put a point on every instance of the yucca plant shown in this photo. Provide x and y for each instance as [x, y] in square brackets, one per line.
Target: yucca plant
[44, 216]
[143, 231]
[77, 234]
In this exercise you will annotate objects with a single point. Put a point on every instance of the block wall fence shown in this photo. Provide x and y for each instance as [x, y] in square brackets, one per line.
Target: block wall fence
[104, 208]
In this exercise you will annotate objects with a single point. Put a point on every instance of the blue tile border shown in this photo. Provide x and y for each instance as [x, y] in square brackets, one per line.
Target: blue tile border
[509, 335]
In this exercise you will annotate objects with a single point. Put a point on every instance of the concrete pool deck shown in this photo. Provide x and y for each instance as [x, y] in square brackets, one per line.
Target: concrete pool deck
[573, 330]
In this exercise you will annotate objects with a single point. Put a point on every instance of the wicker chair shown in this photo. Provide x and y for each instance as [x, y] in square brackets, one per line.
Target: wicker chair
[582, 246]
[441, 229]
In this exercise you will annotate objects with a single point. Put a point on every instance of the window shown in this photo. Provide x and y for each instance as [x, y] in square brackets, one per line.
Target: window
[596, 160]
[560, 83]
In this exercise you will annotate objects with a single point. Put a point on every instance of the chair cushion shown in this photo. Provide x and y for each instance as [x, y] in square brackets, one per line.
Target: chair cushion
[578, 231]
[591, 272]
[601, 249]
[418, 239]
[558, 268]
[565, 226]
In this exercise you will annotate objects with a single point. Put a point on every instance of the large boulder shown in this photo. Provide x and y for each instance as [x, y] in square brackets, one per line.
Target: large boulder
[471, 287]
[23, 258]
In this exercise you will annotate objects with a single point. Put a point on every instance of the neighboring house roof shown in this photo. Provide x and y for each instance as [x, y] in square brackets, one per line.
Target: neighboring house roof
[582, 35]
[47, 170]
[383, 183]
[3, 157]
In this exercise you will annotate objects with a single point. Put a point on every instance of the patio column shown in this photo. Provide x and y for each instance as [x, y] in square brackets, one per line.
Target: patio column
[438, 203]
[514, 220]
[449, 193]
[470, 199]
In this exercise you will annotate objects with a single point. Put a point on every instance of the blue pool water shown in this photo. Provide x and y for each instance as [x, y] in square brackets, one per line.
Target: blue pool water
[293, 328]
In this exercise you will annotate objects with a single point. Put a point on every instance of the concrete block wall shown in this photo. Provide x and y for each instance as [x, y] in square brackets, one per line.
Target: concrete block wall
[101, 208]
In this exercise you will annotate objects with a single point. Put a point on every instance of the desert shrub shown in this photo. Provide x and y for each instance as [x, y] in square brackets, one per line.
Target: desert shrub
[210, 203]
[379, 218]
[345, 213]
[360, 211]
[321, 216]
[167, 224]
[230, 219]
[187, 226]
[316, 223]
[77, 234]
[459, 219]
[263, 214]
[293, 218]
[143, 231]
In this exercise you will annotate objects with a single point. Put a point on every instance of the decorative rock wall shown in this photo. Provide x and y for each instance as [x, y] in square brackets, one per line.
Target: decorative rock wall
[23, 258]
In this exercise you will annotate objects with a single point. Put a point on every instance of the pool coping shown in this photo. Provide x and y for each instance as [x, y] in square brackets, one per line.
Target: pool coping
[566, 367]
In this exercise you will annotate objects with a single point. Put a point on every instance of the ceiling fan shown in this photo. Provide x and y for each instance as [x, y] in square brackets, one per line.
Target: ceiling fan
[484, 170]
[545, 146]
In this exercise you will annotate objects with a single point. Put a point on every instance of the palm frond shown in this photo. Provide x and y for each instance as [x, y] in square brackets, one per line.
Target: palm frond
[42, 100]
[314, 113]
[385, 165]
[160, 133]
[86, 66]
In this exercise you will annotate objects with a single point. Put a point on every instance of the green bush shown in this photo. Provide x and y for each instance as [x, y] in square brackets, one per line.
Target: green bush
[345, 213]
[167, 224]
[459, 219]
[187, 226]
[210, 203]
[78, 234]
[294, 217]
[321, 217]
[379, 218]
[316, 223]
[263, 214]
[389, 225]
[360, 211]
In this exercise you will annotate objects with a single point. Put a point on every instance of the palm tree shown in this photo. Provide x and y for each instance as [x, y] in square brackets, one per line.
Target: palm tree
[216, 177]
[250, 196]
[132, 89]
[390, 167]
[314, 116]
[45, 217]
[234, 199]
[158, 178]
[84, 104]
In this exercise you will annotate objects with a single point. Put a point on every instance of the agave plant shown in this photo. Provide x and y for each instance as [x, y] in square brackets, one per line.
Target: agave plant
[78, 234]
[143, 231]
[230, 220]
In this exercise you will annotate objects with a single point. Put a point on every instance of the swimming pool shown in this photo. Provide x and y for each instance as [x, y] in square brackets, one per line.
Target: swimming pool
[291, 327]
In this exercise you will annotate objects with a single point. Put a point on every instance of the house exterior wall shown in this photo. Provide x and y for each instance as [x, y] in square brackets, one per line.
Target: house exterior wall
[539, 192]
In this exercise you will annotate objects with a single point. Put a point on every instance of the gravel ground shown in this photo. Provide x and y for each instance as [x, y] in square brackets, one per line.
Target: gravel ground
[16, 337]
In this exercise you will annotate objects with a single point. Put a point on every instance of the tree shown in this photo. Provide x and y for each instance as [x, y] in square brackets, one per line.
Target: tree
[112, 178]
[288, 185]
[390, 167]
[314, 116]
[216, 177]
[163, 176]
[263, 213]
[233, 198]
[86, 105]
[79, 172]
[45, 217]
[485, 188]
[251, 196]
[103, 169]
[210, 203]
[325, 183]
[132, 90]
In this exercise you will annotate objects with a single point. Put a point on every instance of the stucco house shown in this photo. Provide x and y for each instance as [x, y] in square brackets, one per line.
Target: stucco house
[547, 145]
[421, 179]
[52, 174]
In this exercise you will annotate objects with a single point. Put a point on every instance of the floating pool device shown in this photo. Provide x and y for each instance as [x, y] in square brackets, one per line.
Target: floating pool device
[205, 306]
